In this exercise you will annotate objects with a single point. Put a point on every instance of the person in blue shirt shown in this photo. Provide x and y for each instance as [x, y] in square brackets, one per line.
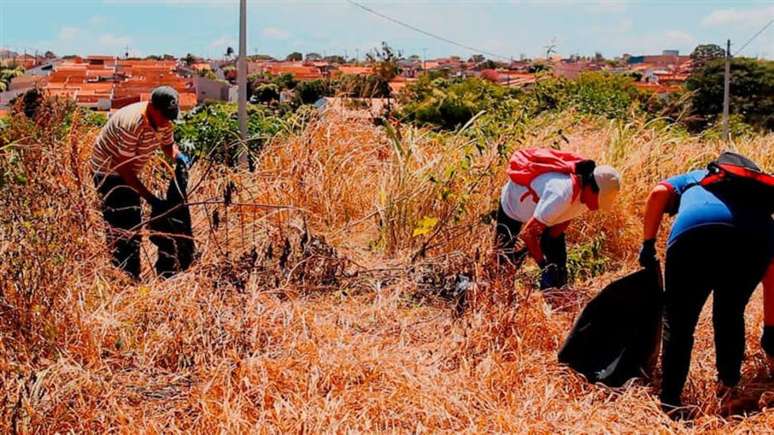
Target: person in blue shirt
[718, 244]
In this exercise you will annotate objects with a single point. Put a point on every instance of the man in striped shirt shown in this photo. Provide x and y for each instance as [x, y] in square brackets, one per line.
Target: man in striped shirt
[123, 147]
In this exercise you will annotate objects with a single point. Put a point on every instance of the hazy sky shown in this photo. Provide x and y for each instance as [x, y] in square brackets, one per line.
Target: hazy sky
[507, 28]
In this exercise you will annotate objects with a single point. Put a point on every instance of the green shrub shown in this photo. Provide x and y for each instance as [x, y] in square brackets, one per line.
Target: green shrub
[213, 130]
[449, 104]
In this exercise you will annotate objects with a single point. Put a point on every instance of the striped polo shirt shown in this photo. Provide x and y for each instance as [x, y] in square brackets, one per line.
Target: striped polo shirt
[128, 137]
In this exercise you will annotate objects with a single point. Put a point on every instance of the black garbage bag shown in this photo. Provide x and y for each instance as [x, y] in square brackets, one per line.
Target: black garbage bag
[617, 336]
[171, 228]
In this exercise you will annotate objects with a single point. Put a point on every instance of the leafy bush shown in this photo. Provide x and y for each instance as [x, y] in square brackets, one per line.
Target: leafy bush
[266, 93]
[308, 92]
[592, 93]
[210, 129]
[449, 104]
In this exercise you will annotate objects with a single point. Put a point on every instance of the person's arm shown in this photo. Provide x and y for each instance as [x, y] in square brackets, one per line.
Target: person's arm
[531, 236]
[557, 230]
[658, 202]
[768, 296]
[130, 178]
[171, 150]
[767, 339]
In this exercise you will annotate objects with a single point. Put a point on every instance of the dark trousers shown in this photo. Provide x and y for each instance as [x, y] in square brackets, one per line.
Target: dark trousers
[554, 249]
[717, 259]
[123, 214]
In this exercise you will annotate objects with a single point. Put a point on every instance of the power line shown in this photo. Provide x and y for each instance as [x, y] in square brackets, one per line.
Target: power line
[754, 36]
[426, 33]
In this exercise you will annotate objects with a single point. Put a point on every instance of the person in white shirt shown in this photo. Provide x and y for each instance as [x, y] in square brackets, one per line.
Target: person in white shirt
[545, 210]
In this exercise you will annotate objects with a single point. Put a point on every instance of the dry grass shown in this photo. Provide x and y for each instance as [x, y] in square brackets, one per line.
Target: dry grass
[331, 326]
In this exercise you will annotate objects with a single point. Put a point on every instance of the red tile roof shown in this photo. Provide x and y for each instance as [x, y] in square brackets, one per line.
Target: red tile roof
[124, 81]
[298, 72]
[355, 70]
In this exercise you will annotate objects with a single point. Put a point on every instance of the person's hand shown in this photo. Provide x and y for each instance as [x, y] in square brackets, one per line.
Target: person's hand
[648, 257]
[183, 159]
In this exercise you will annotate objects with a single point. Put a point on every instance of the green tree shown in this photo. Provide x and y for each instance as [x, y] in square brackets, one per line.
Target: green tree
[285, 81]
[488, 64]
[385, 62]
[308, 92]
[259, 57]
[229, 52]
[752, 90]
[477, 58]
[8, 74]
[537, 67]
[207, 74]
[706, 52]
[189, 59]
[294, 57]
[266, 93]
[335, 59]
[313, 57]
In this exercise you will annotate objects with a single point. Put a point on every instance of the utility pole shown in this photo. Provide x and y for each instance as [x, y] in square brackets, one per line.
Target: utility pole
[727, 91]
[424, 59]
[242, 79]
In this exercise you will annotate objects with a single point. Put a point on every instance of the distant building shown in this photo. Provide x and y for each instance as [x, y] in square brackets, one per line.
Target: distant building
[26, 82]
[212, 90]
[571, 70]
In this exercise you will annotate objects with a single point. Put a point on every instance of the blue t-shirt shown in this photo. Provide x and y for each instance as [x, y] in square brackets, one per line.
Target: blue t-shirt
[699, 207]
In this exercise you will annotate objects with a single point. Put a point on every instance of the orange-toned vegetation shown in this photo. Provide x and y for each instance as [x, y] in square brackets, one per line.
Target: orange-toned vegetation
[313, 305]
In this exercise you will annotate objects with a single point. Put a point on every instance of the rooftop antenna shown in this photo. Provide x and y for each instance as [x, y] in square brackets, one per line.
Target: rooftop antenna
[551, 48]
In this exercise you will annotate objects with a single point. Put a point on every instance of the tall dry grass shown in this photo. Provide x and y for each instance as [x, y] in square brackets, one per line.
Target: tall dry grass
[312, 307]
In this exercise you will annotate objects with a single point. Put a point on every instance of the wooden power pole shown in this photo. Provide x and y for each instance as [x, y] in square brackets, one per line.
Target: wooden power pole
[727, 92]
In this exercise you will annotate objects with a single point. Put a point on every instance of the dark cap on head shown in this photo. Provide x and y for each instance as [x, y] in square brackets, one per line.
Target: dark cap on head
[165, 99]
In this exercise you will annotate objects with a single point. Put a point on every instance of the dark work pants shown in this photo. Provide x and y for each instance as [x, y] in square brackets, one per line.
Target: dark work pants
[507, 234]
[717, 259]
[123, 214]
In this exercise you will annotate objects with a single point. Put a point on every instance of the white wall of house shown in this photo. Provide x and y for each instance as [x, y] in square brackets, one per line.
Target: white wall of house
[210, 90]
[103, 104]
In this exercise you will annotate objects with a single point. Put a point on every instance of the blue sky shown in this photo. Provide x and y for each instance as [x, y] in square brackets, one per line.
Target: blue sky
[509, 28]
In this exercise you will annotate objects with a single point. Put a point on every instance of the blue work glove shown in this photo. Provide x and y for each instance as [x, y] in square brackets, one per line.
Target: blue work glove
[648, 257]
[183, 159]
